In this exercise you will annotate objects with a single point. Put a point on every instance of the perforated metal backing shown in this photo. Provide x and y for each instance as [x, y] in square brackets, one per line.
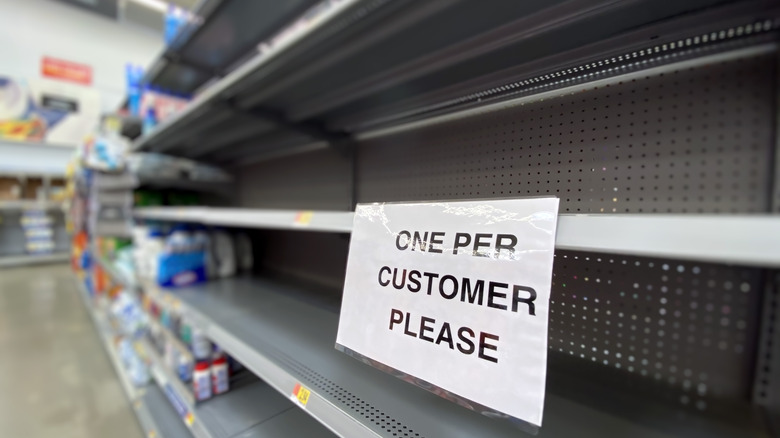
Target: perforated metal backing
[767, 382]
[691, 140]
[316, 180]
[388, 424]
[684, 331]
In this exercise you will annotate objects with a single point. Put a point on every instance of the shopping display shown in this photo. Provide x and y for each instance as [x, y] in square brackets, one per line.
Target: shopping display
[382, 219]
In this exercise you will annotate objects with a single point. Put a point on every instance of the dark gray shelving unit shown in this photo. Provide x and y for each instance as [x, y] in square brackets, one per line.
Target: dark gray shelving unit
[251, 409]
[655, 123]
[202, 51]
[260, 322]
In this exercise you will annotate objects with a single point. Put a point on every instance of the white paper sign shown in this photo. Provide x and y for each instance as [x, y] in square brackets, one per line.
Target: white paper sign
[455, 294]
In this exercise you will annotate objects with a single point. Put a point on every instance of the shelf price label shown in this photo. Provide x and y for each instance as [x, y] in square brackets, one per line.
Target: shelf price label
[303, 218]
[454, 297]
[300, 395]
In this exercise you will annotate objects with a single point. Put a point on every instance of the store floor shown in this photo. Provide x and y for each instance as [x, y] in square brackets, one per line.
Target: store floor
[55, 378]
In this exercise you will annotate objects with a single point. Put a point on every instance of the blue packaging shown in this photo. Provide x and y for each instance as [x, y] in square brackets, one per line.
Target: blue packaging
[183, 261]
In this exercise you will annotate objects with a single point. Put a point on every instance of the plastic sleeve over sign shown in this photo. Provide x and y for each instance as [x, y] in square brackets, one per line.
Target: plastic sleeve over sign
[454, 297]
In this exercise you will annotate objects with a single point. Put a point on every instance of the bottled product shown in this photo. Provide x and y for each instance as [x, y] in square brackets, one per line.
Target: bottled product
[150, 121]
[219, 375]
[201, 381]
[184, 369]
[224, 253]
[201, 346]
[171, 357]
[185, 332]
[201, 239]
[182, 261]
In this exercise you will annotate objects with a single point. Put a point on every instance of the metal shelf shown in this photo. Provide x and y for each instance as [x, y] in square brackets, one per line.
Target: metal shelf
[30, 204]
[33, 259]
[155, 415]
[108, 337]
[203, 102]
[128, 181]
[242, 411]
[259, 322]
[329, 221]
[198, 54]
[30, 158]
[743, 240]
[351, 73]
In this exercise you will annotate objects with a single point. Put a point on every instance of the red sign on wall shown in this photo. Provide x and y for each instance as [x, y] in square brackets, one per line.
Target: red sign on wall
[66, 70]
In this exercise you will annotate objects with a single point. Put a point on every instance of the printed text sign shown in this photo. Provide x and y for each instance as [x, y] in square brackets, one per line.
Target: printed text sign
[455, 294]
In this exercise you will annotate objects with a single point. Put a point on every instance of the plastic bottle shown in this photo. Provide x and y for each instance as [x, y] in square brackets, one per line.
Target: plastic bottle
[201, 240]
[150, 121]
[154, 247]
[224, 253]
[219, 375]
[184, 368]
[201, 381]
[201, 346]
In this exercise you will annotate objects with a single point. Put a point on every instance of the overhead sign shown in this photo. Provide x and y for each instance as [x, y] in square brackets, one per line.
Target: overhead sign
[454, 297]
[66, 70]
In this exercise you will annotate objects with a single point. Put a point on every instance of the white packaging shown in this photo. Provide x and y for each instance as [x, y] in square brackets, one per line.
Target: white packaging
[219, 375]
[201, 346]
[201, 381]
[223, 251]
[202, 241]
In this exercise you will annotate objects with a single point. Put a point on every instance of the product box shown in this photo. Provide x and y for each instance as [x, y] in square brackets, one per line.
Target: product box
[47, 110]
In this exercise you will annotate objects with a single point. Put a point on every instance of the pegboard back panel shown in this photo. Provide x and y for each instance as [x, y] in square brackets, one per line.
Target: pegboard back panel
[683, 332]
[318, 180]
[691, 140]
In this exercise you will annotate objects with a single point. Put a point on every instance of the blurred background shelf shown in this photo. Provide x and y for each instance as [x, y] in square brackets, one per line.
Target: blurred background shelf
[30, 158]
[29, 204]
[32, 259]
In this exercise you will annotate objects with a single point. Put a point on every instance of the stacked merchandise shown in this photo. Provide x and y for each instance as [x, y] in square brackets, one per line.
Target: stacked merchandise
[115, 304]
[187, 353]
[131, 320]
[38, 231]
[174, 255]
[152, 105]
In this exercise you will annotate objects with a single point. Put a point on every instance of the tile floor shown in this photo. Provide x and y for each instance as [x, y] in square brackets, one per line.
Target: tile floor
[55, 378]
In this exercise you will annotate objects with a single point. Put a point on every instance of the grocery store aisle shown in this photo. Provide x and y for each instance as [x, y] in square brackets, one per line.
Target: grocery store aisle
[55, 378]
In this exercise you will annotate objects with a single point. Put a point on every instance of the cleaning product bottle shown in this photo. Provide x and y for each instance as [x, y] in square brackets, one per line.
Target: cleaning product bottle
[201, 346]
[224, 253]
[184, 368]
[201, 381]
[219, 375]
[150, 121]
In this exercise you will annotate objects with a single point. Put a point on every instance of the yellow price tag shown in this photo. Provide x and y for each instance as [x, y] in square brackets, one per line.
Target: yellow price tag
[301, 393]
[304, 217]
[189, 419]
